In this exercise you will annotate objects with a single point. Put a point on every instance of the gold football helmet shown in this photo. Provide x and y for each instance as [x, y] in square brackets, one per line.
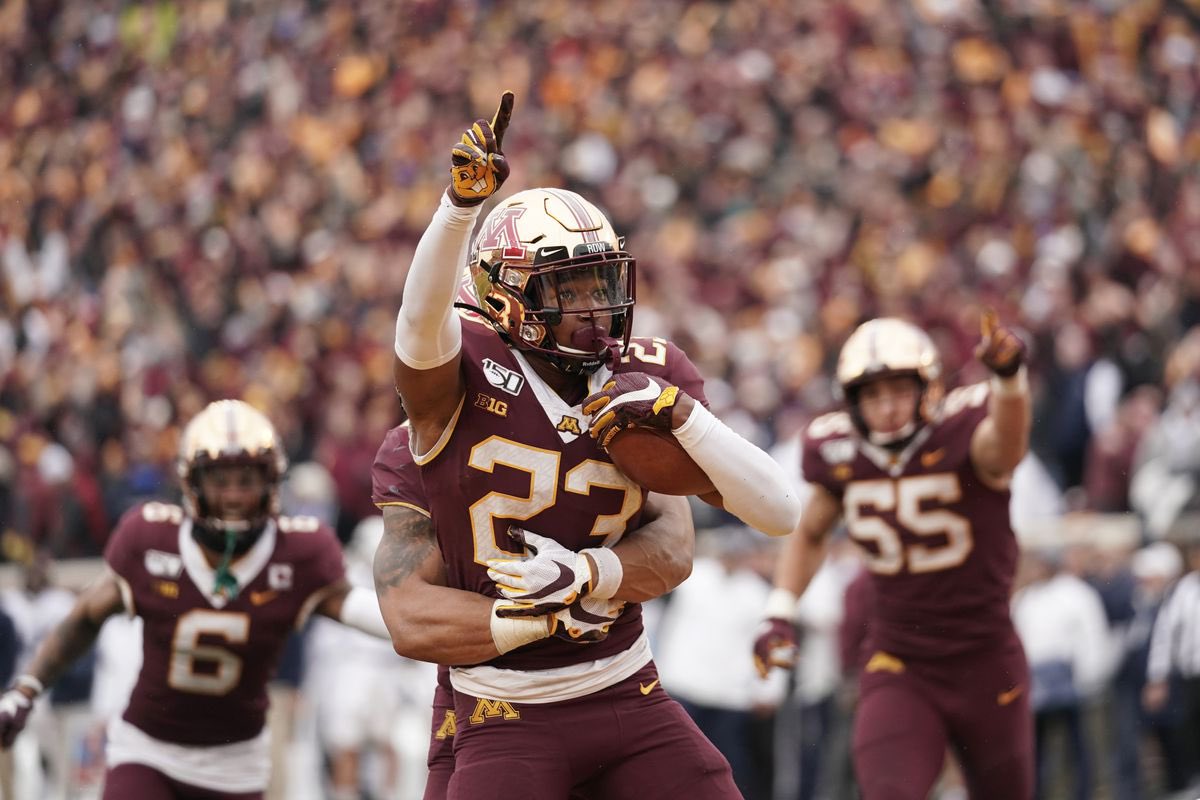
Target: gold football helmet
[888, 347]
[229, 432]
[545, 254]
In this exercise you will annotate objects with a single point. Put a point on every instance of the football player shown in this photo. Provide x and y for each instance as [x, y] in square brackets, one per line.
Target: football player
[507, 409]
[219, 584]
[410, 575]
[922, 484]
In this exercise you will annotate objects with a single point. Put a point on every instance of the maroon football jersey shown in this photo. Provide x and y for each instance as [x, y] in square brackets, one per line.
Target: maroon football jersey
[936, 538]
[515, 453]
[206, 661]
[395, 477]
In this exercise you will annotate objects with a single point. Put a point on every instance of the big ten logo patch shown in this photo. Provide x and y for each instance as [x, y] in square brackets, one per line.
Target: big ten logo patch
[448, 727]
[168, 589]
[497, 407]
[485, 709]
[569, 424]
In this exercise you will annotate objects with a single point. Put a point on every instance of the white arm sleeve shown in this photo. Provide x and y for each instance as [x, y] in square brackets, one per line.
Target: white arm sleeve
[360, 610]
[754, 488]
[428, 333]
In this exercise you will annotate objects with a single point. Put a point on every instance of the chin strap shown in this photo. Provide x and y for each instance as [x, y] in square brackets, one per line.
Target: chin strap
[225, 583]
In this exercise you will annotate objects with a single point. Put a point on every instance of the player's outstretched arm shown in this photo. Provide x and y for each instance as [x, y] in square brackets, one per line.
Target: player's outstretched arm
[353, 606]
[747, 482]
[428, 336]
[70, 639]
[427, 620]
[803, 553]
[1002, 438]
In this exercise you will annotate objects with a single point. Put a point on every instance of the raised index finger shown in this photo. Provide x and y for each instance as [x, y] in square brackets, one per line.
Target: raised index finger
[988, 322]
[502, 117]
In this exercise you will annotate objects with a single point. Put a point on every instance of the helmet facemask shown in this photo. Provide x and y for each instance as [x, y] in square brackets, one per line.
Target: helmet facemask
[229, 432]
[929, 394]
[886, 348]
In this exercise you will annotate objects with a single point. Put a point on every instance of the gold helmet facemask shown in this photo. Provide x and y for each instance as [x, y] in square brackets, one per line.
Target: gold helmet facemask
[229, 432]
[885, 348]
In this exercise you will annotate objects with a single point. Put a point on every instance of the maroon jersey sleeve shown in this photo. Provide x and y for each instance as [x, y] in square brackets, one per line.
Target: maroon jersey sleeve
[317, 555]
[664, 359]
[395, 477]
[123, 551]
[828, 451]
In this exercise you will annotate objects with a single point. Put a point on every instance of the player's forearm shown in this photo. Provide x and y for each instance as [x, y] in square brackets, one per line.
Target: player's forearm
[657, 557]
[427, 332]
[1009, 409]
[439, 624]
[425, 619]
[752, 486]
[69, 640]
[652, 567]
[802, 556]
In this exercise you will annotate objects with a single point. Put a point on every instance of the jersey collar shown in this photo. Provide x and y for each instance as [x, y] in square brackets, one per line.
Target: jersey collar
[245, 569]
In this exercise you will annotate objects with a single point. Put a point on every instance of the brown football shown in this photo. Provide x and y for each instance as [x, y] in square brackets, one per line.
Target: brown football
[657, 462]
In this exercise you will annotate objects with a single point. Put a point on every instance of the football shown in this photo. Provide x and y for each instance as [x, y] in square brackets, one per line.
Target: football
[656, 461]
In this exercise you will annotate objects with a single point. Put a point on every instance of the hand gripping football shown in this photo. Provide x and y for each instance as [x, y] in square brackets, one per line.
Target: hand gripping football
[631, 419]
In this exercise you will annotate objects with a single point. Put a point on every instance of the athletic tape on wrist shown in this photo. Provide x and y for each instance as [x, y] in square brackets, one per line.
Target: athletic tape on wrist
[782, 604]
[509, 633]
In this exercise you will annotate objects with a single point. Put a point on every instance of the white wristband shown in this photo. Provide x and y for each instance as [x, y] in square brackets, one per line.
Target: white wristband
[27, 681]
[781, 604]
[609, 572]
[1015, 384]
[509, 633]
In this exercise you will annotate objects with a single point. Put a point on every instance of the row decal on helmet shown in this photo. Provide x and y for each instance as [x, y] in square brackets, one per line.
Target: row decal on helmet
[587, 226]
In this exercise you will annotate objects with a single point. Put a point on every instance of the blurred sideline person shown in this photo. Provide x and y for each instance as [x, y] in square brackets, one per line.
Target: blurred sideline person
[1063, 629]
[702, 639]
[57, 728]
[1155, 568]
[219, 585]
[363, 689]
[922, 483]
[1173, 664]
[502, 404]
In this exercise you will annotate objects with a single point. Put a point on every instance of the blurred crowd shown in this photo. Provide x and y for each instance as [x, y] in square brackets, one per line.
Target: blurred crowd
[220, 198]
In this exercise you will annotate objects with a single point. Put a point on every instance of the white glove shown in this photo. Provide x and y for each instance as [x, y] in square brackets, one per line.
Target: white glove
[549, 580]
[15, 706]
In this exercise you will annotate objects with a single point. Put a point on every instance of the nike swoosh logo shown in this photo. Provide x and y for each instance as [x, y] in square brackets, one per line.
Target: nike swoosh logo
[564, 579]
[651, 392]
[648, 689]
[1005, 698]
[258, 598]
[932, 457]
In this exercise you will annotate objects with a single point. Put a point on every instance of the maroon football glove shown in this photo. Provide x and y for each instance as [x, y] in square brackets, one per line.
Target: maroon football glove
[477, 163]
[631, 399]
[1001, 350]
[775, 646]
[15, 706]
